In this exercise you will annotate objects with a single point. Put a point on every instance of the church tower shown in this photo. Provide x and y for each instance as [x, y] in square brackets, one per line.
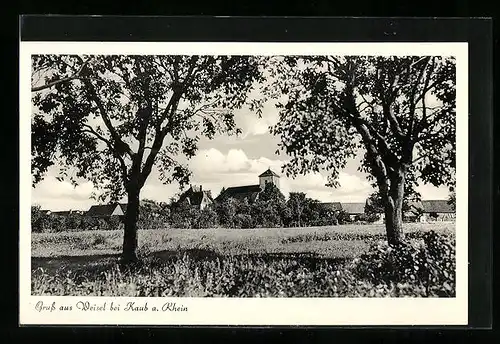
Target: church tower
[269, 177]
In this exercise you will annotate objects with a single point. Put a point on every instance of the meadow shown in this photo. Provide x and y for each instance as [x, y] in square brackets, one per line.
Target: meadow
[344, 260]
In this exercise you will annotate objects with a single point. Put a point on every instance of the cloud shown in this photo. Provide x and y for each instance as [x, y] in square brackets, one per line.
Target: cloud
[253, 125]
[214, 161]
[428, 191]
[215, 169]
[351, 189]
[51, 187]
[61, 195]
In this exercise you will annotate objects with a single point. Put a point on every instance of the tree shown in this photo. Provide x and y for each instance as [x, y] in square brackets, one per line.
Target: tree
[452, 199]
[268, 209]
[38, 219]
[111, 119]
[181, 215]
[296, 202]
[311, 215]
[206, 218]
[153, 214]
[226, 210]
[327, 216]
[399, 110]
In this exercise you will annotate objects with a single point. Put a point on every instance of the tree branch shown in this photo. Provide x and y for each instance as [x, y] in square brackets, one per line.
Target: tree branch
[396, 127]
[120, 146]
[413, 103]
[56, 82]
[170, 109]
[123, 166]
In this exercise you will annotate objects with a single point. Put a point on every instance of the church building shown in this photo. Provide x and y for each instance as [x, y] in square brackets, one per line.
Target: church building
[250, 192]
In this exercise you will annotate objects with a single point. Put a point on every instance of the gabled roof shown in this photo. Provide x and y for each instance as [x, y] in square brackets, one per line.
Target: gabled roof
[353, 208]
[434, 206]
[105, 209]
[241, 192]
[195, 195]
[269, 173]
[333, 205]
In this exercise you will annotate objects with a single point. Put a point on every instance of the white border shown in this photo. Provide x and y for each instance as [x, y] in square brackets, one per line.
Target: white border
[251, 311]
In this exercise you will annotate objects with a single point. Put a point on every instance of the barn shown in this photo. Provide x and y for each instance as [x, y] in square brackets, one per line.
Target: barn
[353, 209]
[335, 206]
[107, 210]
[433, 210]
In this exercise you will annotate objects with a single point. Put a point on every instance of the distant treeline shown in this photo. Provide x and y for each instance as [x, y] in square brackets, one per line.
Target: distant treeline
[270, 210]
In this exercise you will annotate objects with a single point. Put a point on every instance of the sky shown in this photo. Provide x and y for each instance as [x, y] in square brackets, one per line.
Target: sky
[229, 161]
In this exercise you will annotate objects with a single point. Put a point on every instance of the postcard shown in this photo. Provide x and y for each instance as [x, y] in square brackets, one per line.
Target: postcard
[225, 183]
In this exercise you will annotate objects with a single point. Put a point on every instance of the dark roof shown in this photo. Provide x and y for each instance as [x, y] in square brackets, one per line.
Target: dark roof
[333, 205]
[195, 195]
[434, 206]
[353, 208]
[105, 209]
[268, 173]
[241, 192]
[62, 212]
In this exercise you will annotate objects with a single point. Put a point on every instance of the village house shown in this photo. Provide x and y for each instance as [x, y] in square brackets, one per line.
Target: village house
[197, 197]
[250, 192]
[63, 212]
[335, 206]
[433, 210]
[107, 210]
[353, 209]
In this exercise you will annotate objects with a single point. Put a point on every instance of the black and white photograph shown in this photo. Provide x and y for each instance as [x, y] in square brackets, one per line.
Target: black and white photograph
[237, 175]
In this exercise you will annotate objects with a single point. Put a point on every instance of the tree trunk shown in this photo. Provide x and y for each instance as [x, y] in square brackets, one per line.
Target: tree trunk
[394, 223]
[394, 209]
[129, 254]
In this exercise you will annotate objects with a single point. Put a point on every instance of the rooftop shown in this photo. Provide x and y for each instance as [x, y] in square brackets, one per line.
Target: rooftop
[195, 195]
[269, 173]
[353, 208]
[105, 209]
[333, 205]
[434, 206]
[241, 192]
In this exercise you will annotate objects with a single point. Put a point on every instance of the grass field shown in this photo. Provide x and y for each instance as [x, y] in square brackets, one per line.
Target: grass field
[89, 259]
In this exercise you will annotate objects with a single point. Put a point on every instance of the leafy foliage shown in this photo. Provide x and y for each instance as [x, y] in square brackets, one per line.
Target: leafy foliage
[296, 203]
[400, 110]
[102, 113]
[428, 269]
[153, 215]
[111, 118]
[452, 199]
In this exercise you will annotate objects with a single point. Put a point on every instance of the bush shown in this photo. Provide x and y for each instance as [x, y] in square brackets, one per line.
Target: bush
[55, 224]
[205, 218]
[427, 269]
[89, 224]
[243, 221]
[343, 217]
[369, 218]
